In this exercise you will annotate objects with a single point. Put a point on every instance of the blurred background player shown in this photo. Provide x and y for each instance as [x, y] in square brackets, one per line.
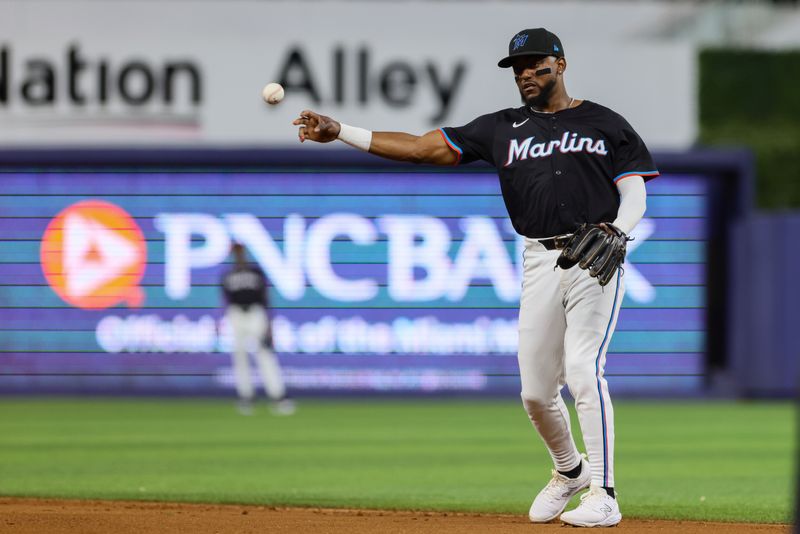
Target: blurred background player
[244, 287]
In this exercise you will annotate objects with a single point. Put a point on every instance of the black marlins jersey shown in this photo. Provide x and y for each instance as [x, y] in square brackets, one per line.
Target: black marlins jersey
[245, 286]
[557, 170]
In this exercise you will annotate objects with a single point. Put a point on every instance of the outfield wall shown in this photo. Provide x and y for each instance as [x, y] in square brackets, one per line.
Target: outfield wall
[385, 278]
[132, 73]
[765, 348]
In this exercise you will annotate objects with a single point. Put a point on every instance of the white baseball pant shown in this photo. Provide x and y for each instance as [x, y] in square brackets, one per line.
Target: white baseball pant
[566, 320]
[250, 328]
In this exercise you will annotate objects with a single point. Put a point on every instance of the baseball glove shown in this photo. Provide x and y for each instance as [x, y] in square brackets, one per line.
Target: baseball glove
[600, 249]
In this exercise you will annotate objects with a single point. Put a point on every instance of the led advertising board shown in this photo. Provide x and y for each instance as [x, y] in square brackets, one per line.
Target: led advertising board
[381, 281]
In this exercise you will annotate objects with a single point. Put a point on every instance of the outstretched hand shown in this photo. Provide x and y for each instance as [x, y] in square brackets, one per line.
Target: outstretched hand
[316, 127]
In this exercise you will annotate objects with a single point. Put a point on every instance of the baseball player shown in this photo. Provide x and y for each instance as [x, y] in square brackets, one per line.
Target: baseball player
[244, 288]
[563, 164]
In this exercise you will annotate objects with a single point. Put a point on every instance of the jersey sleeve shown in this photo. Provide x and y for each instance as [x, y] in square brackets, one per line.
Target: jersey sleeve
[474, 140]
[631, 156]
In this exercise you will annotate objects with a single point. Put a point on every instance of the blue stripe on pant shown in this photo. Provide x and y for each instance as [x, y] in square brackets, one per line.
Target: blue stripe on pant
[599, 383]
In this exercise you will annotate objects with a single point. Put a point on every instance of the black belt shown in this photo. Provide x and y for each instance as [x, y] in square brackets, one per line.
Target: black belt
[557, 242]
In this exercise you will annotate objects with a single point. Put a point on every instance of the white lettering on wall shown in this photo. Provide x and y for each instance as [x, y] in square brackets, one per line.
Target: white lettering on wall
[422, 261]
[417, 242]
[181, 257]
[318, 257]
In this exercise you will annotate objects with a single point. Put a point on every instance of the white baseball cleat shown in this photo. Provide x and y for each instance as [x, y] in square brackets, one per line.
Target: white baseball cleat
[597, 509]
[554, 497]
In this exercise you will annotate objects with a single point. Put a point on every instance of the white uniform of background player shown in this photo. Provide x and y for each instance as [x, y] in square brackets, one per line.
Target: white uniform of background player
[244, 287]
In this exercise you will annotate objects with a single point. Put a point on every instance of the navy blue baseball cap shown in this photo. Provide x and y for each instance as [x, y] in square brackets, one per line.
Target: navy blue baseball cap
[532, 42]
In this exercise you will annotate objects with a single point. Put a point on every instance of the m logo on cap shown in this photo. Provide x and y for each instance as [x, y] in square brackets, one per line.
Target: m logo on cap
[93, 256]
[520, 40]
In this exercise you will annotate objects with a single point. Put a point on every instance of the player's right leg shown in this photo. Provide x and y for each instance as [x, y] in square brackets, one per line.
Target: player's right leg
[268, 366]
[271, 374]
[272, 377]
[542, 324]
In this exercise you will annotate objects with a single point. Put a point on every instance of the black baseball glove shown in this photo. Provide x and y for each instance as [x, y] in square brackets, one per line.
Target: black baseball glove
[598, 248]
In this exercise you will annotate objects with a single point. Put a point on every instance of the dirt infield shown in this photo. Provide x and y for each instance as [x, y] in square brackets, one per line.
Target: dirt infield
[51, 516]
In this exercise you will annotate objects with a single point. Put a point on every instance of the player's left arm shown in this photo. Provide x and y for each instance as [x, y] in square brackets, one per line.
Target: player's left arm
[632, 202]
[632, 167]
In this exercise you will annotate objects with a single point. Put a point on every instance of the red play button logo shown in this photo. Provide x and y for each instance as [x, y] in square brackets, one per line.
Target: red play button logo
[94, 255]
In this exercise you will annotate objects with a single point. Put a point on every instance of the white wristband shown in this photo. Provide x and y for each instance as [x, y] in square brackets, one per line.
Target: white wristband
[353, 136]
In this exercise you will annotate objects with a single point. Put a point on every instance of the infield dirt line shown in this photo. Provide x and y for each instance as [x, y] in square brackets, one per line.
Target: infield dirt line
[57, 516]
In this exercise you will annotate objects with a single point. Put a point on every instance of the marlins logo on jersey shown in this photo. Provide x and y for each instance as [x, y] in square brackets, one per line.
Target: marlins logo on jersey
[242, 280]
[569, 142]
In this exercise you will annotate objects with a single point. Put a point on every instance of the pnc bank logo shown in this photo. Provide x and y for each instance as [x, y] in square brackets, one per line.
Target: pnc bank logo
[93, 255]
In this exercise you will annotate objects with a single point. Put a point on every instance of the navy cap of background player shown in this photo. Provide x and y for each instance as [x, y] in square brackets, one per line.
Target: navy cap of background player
[533, 42]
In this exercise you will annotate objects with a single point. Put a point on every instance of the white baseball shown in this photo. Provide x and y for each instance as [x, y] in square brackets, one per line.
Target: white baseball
[272, 93]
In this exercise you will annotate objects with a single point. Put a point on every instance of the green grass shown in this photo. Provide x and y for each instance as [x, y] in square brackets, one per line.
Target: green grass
[716, 461]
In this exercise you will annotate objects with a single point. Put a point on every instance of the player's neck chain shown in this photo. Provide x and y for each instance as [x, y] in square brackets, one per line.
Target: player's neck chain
[571, 101]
